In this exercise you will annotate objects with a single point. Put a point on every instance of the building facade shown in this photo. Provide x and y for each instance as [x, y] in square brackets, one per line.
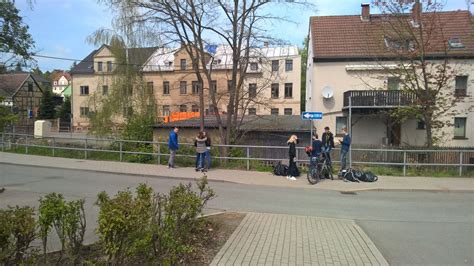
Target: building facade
[271, 86]
[60, 82]
[343, 74]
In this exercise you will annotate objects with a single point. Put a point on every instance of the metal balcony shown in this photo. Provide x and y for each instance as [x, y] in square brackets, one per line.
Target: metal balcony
[378, 99]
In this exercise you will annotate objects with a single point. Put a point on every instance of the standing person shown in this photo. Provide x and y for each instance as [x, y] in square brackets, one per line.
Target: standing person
[200, 144]
[345, 145]
[292, 168]
[173, 145]
[317, 146]
[208, 151]
[328, 142]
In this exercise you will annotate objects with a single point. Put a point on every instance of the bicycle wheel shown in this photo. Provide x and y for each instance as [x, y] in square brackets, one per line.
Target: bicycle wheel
[327, 170]
[313, 176]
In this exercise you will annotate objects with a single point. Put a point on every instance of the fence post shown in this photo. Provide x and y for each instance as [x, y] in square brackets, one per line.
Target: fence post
[121, 149]
[54, 147]
[248, 158]
[460, 163]
[405, 163]
[3, 142]
[26, 144]
[85, 149]
[159, 154]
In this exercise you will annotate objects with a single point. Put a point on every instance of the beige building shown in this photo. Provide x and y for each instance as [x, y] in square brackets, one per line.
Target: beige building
[271, 86]
[341, 69]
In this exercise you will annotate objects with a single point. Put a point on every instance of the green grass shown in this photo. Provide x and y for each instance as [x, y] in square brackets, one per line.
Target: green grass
[229, 164]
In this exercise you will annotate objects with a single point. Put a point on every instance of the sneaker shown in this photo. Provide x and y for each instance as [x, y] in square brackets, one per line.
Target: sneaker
[292, 178]
[287, 177]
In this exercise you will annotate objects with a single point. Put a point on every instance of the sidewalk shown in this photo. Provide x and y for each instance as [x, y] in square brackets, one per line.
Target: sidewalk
[241, 176]
[275, 239]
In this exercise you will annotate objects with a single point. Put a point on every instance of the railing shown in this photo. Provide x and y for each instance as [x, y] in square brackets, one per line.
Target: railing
[378, 99]
[155, 152]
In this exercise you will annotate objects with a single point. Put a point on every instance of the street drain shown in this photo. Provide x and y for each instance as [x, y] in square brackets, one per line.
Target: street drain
[348, 192]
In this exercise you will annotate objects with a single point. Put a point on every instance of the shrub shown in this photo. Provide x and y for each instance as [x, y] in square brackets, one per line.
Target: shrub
[68, 220]
[151, 227]
[17, 231]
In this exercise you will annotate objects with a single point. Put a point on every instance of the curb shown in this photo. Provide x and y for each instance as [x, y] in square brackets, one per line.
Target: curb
[408, 190]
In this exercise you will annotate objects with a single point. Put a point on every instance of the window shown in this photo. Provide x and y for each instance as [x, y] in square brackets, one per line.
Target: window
[214, 86]
[341, 122]
[213, 109]
[84, 111]
[105, 90]
[252, 111]
[109, 66]
[399, 44]
[393, 83]
[127, 111]
[84, 90]
[288, 111]
[420, 124]
[461, 86]
[275, 90]
[196, 87]
[100, 67]
[253, 66]
[274, 111]
[455, 43]
[30, 86]
[195, 108]
[166, 110]
[183, 87]
[459, 127]
[183, 64]
[149, 87]
[166, 87]
[229, 85]
[288, 65]
[183, 108]
[252, 90]
[275, 65]
[288, 90]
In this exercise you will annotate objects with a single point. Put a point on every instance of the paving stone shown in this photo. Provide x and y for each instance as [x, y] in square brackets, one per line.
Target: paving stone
[275, 239]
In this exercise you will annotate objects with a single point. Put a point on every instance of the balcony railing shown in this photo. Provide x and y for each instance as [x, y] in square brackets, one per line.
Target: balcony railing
[378, 99]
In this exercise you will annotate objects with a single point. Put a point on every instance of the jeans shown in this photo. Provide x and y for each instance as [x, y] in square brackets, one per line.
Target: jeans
[208, 157]
[343, 159]
[171, 160]
[327, 151]
[200, 157]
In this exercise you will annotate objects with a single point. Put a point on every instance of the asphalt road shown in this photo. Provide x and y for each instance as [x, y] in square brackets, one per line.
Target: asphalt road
[420, 228]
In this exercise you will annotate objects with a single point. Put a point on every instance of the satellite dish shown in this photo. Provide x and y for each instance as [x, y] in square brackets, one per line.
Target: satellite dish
[327, 92]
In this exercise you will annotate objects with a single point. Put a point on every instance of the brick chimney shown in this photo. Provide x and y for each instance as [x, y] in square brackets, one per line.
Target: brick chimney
[416, 13]
[365, 15]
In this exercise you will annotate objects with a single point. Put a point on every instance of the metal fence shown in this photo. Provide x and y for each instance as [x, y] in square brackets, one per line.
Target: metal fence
[458, 160]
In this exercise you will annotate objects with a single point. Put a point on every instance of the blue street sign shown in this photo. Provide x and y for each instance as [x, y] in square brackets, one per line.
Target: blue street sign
[311, 115]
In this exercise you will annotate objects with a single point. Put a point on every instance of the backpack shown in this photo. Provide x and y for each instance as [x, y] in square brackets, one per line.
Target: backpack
[369, 177]
[280, 169]
[352, 175]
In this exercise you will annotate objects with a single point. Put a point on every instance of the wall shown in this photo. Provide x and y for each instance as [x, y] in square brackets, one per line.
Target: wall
[334, 74]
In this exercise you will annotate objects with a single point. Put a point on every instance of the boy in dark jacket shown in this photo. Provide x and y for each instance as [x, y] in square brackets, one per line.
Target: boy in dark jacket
[328, 142]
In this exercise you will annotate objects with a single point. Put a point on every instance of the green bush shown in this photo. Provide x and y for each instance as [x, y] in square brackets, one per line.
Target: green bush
[17, 232]
[68, 220]
[150, 227]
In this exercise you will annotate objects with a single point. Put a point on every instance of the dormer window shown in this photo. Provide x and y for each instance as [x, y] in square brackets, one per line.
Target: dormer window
[399, 44]
[455, 43]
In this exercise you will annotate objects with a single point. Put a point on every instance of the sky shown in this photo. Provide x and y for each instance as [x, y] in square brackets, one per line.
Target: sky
[60, 27]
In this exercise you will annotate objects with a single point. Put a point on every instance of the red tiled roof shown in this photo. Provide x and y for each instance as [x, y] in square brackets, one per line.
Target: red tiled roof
[350, 37]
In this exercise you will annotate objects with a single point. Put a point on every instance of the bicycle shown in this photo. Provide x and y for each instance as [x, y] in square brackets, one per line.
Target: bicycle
[320, 168]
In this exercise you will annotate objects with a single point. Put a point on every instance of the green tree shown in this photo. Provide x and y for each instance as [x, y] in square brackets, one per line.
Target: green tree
[15, 40]
[304, 63]
[47, 107]
[6, 116]
[65, 109]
